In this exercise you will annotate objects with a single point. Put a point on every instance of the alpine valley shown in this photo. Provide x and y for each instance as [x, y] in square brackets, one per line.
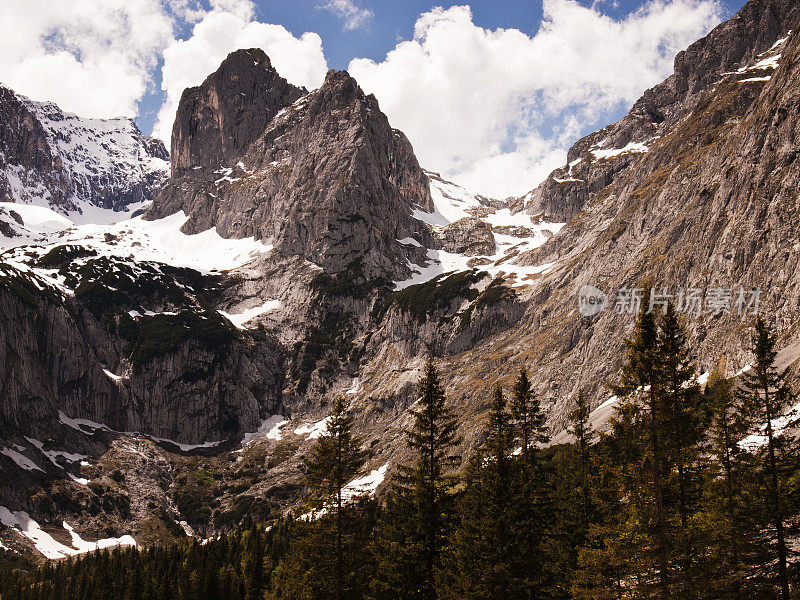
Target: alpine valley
[175, 327]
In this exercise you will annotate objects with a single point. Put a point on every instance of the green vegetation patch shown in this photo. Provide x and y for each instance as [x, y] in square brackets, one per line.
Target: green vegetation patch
[332, 338]
[438, 294]
[350, 283]
[495, 293]
[22, 285]
[61, 256]
[155, 336]
[108, 285]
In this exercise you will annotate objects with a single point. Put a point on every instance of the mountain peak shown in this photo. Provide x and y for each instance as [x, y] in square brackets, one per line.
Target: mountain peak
[222, 116]
[69, 162]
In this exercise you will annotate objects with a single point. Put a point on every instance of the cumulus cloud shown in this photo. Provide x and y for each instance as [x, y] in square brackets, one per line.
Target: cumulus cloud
[92, 58]
[98, 59]
[225, 28]
[351, 16]
[496, 109]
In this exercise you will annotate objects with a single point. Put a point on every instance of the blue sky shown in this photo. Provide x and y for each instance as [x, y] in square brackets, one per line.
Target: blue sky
[491, 94]
[391, 21]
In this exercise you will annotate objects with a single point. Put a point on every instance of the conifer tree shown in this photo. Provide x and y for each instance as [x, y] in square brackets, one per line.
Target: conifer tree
[721, 516]
[420, 512]
[335, 459]
[527, 414]
[642, 418]
[764, 392]
[685, 420]
[479, 563]
[581, 429]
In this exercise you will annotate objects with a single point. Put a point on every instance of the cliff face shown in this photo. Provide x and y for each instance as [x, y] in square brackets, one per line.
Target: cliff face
[70, 163]
[218, 120]
[600, 158]
[27, 161]
[183, 373]
[323, 177]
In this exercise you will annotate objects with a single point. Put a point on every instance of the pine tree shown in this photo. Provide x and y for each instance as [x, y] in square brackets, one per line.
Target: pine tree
[480, 560]
[642, 418]
[527, 414]
[335, 459]
[684, 423]
[721, 514]
[764, 392]
[419, 514]
[581, 430]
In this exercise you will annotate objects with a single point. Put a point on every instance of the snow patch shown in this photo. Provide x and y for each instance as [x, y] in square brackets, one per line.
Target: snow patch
[757, 440]
[366, 485]
[111, 375]
[269, 428]
[249, 314]
[632, 147]
[313, 430]
[49, 547]
[84, 546]
[158, 241]
[23, 462]
[441, 262]
[79, 424]
[409, 241]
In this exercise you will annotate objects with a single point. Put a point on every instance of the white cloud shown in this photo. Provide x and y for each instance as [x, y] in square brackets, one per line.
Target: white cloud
[351, 16]
[93, 58]
[496, 109]
[97, 58]
[228, 27]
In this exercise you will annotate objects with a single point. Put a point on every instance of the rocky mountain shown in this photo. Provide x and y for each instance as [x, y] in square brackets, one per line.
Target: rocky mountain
[176, 366]
[319, 175]
[56, 159]
[692, 190]
[744, 45]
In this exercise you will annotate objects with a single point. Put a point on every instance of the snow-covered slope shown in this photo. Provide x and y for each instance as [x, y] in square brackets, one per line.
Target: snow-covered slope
[86, 169]
[513, 235]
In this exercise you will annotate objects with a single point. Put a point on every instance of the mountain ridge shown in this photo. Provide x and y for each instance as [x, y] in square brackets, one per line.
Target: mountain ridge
[56, 159]
[693, 191]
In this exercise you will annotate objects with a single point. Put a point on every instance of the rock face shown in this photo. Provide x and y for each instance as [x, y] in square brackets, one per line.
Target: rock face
[70, 162]
[468, 236]
[709, 205]
[328, 179]
[218, 120]
[62, 352]
[596, 160]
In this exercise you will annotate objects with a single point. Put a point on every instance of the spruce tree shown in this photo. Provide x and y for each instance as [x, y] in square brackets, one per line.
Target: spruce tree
[643, 420]
[721, 515]
[479, 562]
[685, 420]
[764, 392]
[527, 414]
[335, 459]
[581, 430]
[420, 511]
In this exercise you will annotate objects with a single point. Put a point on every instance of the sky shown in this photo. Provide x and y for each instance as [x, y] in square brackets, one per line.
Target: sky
[490, 93]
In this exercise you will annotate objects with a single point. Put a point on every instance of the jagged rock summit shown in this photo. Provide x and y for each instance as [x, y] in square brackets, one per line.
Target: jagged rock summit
[218, 120]
[319, 175]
